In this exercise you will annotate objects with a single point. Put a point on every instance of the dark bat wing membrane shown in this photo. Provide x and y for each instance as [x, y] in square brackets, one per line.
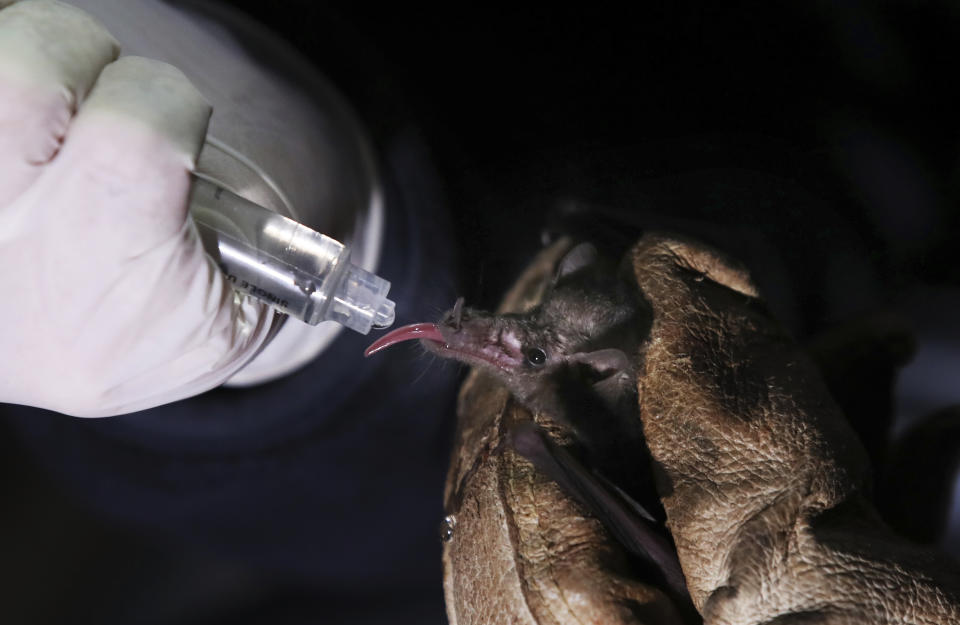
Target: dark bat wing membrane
[624, 518]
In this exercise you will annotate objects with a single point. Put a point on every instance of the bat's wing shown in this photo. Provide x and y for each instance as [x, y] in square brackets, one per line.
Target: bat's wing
[629, 523]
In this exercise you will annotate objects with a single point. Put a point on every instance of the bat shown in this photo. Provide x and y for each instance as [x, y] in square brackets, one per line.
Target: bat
[573, 357]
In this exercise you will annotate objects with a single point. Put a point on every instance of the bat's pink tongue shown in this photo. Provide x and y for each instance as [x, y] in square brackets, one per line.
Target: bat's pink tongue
[427, 331]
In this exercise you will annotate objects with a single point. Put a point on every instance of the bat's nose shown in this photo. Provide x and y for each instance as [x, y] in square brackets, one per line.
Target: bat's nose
[457, 313]
[454, 317]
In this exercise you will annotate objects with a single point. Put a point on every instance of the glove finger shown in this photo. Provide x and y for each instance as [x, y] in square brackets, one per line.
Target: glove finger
[113, 204]
[50, 57]
[129, 152]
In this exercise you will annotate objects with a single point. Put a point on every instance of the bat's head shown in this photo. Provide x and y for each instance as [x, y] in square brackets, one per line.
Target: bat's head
[585, 329]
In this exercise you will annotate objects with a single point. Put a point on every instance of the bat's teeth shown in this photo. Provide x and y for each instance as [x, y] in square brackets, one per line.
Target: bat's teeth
[427, 331]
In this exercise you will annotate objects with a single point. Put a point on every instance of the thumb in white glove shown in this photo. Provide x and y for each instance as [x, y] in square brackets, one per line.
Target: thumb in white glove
[110, 304]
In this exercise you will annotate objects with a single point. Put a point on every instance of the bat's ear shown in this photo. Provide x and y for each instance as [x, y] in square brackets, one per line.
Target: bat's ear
[604, 362]
[580, 256]
[613, 375]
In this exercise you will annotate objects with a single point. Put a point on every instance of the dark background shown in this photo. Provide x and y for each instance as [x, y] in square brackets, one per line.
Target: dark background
[849, 106]
[817, 141]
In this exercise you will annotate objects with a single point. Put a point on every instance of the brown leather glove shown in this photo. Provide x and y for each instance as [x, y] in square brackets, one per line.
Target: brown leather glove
[519, 550]
[762, 480]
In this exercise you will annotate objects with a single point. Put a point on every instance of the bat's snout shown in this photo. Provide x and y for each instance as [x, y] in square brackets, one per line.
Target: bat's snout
[478, 338]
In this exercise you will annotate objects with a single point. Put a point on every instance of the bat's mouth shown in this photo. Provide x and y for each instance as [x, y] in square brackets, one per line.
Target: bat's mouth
[458, 344]
[422, 331]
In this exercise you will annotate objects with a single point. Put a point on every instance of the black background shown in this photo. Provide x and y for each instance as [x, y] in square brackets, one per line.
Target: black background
[850, 105]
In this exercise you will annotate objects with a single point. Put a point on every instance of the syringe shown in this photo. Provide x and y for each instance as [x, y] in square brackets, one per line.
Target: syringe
[297, 270]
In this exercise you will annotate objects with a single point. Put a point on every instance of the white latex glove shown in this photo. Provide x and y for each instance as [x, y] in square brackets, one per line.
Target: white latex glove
[109, 303]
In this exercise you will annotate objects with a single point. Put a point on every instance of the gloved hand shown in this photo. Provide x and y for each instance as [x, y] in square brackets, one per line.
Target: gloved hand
[110, 304]
[764, 485]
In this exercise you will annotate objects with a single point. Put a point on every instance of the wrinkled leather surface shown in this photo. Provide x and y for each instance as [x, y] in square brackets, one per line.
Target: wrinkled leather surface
[523, 552]
[762, 480]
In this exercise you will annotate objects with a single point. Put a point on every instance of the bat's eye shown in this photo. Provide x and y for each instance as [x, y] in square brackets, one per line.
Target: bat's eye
[536, 356]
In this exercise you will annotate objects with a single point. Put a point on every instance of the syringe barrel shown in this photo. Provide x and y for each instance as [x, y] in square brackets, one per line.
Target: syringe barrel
[295, 269]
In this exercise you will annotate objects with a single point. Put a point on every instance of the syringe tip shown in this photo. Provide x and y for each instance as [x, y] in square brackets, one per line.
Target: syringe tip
[385, 315]
[360, 302]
